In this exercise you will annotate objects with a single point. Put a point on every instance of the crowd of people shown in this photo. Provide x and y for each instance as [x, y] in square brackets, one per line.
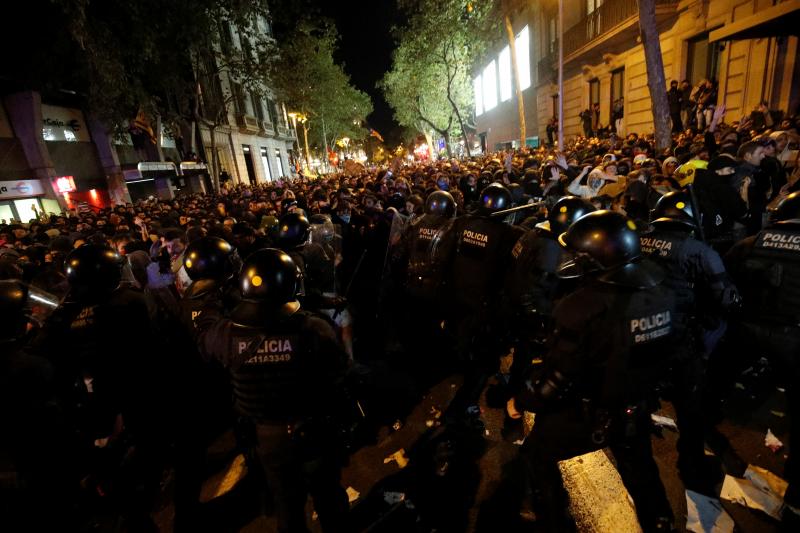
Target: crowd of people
[618, 274]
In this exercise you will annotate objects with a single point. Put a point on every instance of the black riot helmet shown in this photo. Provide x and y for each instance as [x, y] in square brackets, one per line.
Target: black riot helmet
[565, 211]
[13, 295]
[270, 276]
[440, 203]
[93, 271]
[494, 198]
[269, 283]
[209, 258]
[674, 209]
[293, 230]
[607, 242]
[787, 211]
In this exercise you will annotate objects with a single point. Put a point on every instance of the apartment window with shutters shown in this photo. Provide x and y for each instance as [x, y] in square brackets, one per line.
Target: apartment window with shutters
[617, 83]
[703, 60]
[594, 92]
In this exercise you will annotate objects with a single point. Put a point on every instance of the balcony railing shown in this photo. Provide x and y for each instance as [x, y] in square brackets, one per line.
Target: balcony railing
[602, 20]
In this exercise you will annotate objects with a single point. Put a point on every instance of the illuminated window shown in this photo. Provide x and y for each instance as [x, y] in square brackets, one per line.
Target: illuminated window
[476, 84]
[48, 134]
[504, 63]
[490, 86]
[69, 136]
[523, 58]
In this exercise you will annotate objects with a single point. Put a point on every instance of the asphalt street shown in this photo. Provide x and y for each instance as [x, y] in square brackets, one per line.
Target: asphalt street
[384, 485]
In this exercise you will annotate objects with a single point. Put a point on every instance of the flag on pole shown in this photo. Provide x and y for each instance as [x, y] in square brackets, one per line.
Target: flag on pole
[373, 133]
[142, 124]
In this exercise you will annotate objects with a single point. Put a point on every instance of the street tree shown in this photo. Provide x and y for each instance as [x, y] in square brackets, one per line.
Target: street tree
[307, 78]
[430, 82]
[656, 81]
[157, 58]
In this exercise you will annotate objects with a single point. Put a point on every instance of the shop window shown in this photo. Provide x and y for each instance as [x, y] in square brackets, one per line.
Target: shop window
[523, 46]
[279, 161]
[478, 90]
[504, 62]
[265, 162]
[490, 86]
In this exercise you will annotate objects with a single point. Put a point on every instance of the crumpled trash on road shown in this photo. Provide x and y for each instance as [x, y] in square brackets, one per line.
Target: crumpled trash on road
[352, 494]
[398, 457]
[706, 515]
[760, 490]
[664, 422]
[392, 497]
[772, 442]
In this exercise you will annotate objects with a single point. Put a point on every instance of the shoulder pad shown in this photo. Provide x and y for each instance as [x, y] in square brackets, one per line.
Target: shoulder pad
[201, 287]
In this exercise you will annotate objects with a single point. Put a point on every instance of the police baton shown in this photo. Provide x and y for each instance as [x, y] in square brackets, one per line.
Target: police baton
[352, 279]
[698, 219]
[510, 210]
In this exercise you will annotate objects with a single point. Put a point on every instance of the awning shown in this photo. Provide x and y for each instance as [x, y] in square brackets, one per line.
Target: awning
[779, 20]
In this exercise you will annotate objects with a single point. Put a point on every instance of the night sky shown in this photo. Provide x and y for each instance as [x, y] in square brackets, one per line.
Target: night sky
[366, 51]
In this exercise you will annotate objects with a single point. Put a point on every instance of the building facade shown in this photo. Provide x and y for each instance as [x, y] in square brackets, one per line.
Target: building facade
[743, 45]
[55, 156]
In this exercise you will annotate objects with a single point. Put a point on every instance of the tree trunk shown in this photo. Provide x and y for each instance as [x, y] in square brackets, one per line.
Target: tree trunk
[460, 125]
[512, 44]
[214, 158]
[655, 73]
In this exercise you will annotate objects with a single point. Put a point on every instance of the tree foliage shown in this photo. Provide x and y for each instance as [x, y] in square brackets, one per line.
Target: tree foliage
[307, 78]
[430, 84]
[144, 54]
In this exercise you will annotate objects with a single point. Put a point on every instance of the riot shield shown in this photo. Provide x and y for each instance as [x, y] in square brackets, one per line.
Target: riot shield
[324, 251]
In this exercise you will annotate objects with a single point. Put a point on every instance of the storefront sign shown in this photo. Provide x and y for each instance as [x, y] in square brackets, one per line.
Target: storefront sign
[64, 184]
[20, 189]
[64, 124]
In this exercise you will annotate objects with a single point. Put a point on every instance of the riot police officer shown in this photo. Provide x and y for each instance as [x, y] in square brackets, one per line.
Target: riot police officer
[109, 370]
[311, 258]
[704, 293]
[483, 246]
[427, 246]
[211, 263]
[532, 281]
[29, 417]
[766, 268]
[285, 364]
[612, 341]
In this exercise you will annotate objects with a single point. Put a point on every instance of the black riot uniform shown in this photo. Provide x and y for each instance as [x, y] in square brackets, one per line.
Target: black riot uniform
[703, 292]
[427, 246]
[313, 260]
[482, 251]
[211, 263]
[110, 374]
[284, 364]
[612, 342]
[532, 281]
[34, 449]
[766, 268]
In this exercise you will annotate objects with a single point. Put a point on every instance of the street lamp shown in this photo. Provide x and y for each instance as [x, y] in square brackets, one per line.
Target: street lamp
[297, 116]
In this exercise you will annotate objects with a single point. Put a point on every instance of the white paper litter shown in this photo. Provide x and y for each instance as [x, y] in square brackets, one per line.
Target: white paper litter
[772, 442]
[760, 490]
[393, 497]
[664, 422]
[706, 515]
